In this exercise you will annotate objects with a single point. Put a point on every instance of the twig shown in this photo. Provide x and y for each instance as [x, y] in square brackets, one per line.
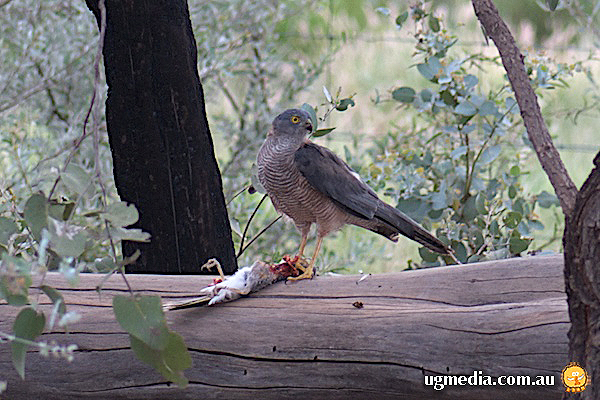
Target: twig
[94, 107]
[258, 235]
[248, 224]
[242, 190]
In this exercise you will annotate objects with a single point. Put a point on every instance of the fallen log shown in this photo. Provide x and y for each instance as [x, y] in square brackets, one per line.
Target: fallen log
[334, 337]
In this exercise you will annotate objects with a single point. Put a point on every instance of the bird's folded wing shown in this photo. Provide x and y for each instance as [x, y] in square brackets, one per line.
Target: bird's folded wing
[330, 175]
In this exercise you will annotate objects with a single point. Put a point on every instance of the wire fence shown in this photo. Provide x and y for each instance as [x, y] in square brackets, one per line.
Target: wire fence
[592, 53]
[367, 38]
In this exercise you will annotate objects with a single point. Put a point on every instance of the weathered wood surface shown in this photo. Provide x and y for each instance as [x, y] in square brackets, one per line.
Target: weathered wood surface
[306, 340]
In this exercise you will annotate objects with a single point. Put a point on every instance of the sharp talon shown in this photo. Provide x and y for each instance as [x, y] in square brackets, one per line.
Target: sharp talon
[301, 264]
[308, 273]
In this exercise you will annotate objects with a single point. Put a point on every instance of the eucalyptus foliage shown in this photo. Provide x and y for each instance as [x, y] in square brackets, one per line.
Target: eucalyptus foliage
[460, 166]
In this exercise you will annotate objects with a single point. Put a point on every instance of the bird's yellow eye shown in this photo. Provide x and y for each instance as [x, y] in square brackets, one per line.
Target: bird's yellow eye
[295, 119]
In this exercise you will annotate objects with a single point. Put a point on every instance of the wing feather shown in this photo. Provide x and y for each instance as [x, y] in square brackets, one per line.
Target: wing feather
[330, 175]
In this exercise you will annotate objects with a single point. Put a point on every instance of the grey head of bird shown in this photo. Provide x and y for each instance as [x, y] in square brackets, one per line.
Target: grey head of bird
[293, 124]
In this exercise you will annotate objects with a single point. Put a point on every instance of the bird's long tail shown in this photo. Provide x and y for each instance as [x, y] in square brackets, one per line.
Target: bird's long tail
[403, 224]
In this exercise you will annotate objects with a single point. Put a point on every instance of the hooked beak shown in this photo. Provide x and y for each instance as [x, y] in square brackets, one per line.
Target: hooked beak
[308, 126]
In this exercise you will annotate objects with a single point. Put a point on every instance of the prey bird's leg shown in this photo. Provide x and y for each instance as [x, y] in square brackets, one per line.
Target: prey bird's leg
[213, 262]
[309, 271]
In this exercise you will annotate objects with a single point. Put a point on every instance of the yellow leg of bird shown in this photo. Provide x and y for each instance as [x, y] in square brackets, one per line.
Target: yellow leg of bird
[308, 272]
[301, 262]
[302, 246]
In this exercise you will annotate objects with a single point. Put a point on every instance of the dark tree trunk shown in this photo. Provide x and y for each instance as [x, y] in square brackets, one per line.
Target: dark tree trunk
[582, 277]
[162, 150]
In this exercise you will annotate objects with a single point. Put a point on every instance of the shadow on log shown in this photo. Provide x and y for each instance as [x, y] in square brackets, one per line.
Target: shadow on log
[307, 340]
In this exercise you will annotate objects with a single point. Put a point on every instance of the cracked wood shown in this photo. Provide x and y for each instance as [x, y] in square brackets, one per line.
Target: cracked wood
[307, 340]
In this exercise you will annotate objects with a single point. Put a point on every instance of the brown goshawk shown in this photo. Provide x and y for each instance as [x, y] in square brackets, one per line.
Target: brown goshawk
[311, 185]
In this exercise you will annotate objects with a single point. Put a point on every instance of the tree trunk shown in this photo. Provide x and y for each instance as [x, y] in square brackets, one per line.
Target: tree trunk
[162, 150]
[582, 277]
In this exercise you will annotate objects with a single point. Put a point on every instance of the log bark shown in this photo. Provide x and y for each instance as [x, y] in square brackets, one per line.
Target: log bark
[307, 340]
[582, 279]
[537, 131]
[162, 150]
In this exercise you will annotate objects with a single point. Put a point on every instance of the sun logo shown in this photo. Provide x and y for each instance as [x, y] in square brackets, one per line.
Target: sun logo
[574, 377]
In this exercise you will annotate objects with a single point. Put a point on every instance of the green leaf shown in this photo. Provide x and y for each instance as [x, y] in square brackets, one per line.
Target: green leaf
[448, 98]
[105, 264]
[13, 292]
[435, 215]
[512, 219]
[75, 179]
[256, 183]
[515, 170]
[480, 204]
[313, 115]
[414, 207]
[511, 104]
[460, 251]
[344, 104]
[547, 200]
[169, 362]
[512, 191]
[56, 298]
[426, 95]
[121, 214]
[133, 234]
[477, 239]
[427, 71]
[469, 210]
[517, 245]
[490, 154]
[523, 228]
[15, 280]
[7, 229]
[65, 243]
[401, 19]
[459, 151]
[428, 255]
[434, 23]
[322, 132]
[439, 200]
[404, 94]
[536, 225]
[488, 108]
[142, 317]
[28, 325]
[494, 228]
[36, 214]
[61, 211]
[465, 108]
[471, 81]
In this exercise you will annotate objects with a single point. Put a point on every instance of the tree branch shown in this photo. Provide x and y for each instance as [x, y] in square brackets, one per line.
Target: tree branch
[512, 59]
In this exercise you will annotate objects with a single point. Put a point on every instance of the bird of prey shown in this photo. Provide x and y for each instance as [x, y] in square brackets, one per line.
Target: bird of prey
[312, 185]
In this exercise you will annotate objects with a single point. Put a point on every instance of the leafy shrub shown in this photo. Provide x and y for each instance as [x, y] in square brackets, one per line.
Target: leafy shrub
[459, 166]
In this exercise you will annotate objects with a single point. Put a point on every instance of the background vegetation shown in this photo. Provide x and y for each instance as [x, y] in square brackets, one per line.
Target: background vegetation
[258, 58]
[420, 105]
